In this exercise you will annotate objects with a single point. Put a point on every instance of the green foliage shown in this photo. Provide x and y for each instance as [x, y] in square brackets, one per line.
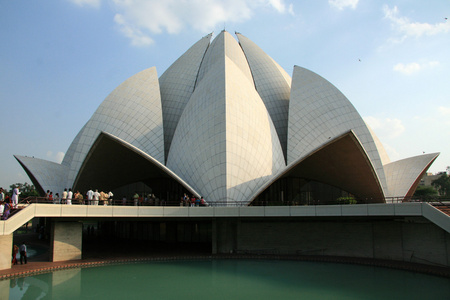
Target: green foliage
[442, 184]
[26, 190]
[425, 191]
[346, 200]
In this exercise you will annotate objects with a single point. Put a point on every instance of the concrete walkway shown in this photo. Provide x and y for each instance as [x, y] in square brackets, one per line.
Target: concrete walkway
[90, 211]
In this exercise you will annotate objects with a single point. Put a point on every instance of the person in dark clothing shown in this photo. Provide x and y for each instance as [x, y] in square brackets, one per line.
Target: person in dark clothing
[23, 253]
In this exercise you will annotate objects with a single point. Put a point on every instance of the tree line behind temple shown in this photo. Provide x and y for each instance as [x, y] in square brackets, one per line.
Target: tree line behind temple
[26, 190]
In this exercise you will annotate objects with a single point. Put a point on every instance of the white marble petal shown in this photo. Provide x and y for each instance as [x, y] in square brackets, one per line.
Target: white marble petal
[131, 112]
[402, 175]
[318, 112]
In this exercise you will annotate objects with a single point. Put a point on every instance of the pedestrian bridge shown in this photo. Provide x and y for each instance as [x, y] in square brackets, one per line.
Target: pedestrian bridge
[62, 211]
[380, 231]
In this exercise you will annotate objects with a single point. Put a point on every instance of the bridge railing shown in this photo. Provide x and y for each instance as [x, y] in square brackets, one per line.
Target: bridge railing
[157, 202]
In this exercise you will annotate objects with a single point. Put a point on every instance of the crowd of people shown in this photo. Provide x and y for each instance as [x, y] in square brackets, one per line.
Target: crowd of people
[23, 254]
[7, 203]
[192, 201]
[68, 196]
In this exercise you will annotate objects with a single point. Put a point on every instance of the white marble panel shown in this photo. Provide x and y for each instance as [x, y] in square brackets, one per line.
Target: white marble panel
[176, 211]
[252, 211]
[354, 210]
[99, 210]
[408, 209]
[73, 210]
[381, 209]
[200, 211]
[303, 211]
[125, 211]
[277, 211]
[328, 210]
[226, 211]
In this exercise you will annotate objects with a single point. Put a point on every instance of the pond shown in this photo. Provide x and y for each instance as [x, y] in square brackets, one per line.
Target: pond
[229, 279]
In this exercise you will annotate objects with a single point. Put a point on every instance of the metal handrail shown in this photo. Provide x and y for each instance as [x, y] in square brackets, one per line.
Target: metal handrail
[130, 202]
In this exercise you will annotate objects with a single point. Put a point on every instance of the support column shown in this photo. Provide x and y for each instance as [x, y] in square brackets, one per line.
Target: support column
[66, 241]
[224, 239]
[6, 244]
[214, 236]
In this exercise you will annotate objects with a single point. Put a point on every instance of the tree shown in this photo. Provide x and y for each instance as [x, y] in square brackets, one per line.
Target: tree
[442, 184]
[425, 191]
[26, 189]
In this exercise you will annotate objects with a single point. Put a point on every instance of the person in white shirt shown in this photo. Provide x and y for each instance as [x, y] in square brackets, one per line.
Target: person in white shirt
[110, 197]
[2, 208]
[69, 197]
[2, 195]
[64, 197]
[15, 197]
[90, 196]
[96, 197]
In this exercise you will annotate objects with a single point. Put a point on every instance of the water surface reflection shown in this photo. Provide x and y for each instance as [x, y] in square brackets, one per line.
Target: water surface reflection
[229, 279]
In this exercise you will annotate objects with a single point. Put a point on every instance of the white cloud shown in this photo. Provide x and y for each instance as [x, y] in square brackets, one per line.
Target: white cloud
[137, 37]
[414, 67]
[407, 28]
[280, 6]
[57, 157]
[392, 152]
[139, 19]
[445, 111]
[385, 128]
[342, 4]
[93, 3]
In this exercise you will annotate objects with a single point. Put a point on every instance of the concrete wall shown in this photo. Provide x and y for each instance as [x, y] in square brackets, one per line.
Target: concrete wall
[405, 239]
[224, 235]
[66, 241]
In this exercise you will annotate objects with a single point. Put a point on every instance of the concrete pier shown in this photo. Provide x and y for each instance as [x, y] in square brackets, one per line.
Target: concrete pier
[6, 244]
[66, 241]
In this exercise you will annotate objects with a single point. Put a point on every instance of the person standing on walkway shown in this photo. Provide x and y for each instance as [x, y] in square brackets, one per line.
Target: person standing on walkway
[77, 196]
[64, 197]
[23, 253]
[69, 197]
[103, 197]
[15, 197]
[14, 254]
[90, 195]
[110, 198]
[2, 195]
[6, 211]
[96, 197]
[136, 199]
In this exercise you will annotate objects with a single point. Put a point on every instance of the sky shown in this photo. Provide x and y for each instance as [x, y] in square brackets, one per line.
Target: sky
[59, 59]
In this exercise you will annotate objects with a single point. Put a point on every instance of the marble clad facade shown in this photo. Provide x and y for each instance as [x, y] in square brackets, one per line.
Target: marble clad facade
[225, 121]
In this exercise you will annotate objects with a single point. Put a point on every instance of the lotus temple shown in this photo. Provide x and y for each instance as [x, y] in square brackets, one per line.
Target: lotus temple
[227, 123]
[273, 155]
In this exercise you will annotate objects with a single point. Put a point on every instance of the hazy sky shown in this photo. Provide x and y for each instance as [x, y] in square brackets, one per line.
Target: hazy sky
[59, 59]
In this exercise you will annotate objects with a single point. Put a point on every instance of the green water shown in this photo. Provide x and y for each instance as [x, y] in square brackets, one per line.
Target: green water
[231, 279]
